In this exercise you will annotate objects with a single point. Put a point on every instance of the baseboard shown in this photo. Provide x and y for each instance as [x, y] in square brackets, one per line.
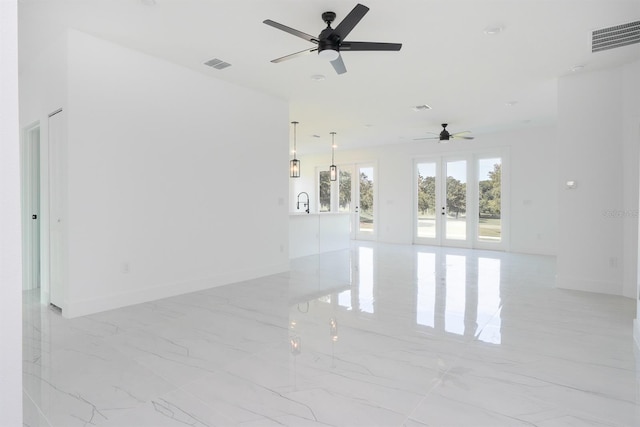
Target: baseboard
[587, 285]
[95, 305]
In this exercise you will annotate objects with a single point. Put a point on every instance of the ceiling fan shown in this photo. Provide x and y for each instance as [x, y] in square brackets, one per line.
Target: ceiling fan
[445, 136]
[331, 41]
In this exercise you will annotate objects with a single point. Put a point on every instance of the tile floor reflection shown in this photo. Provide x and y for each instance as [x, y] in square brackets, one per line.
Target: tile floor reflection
[379, 335]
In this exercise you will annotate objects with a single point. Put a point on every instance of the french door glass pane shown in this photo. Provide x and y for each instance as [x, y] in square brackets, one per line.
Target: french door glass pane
[456, 190]
[345, 191]
[426, 200]
[325, 192]
[366, 201]
[489, 195]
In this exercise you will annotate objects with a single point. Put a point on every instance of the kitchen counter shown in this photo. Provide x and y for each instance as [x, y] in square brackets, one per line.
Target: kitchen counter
[311, 234]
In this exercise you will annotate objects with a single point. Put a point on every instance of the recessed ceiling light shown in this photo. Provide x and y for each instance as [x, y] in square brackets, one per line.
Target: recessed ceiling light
[318, 77]
[315, 136]
[577, 68]
[511, 103]
[494, 30]
[368, 125]
[423, 107]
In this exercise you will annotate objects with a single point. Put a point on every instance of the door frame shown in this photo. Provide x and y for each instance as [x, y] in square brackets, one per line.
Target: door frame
[57, 214]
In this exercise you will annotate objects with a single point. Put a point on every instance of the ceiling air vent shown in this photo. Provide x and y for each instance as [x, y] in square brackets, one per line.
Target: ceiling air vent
[218, 64]
[616, 36]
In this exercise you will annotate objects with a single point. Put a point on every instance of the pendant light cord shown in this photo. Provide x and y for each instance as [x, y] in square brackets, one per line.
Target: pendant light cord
[295, 151]
[333, 146]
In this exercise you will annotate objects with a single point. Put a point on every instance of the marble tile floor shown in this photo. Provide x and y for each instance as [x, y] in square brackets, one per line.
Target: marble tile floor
[378, 335]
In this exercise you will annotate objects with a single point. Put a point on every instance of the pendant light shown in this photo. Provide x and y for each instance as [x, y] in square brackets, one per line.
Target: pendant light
[294, 165]
[333, 169]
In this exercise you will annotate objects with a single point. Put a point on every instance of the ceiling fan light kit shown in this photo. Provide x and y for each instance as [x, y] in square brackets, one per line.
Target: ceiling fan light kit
[331, 41]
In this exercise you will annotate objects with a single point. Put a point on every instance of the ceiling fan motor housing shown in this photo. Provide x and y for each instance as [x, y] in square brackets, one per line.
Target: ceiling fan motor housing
[444, 135]
[328, 40]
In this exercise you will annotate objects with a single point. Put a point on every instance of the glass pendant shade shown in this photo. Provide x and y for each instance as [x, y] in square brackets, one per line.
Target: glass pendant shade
[294, 165]
[333, 169]
[329, 54]
[294, 168]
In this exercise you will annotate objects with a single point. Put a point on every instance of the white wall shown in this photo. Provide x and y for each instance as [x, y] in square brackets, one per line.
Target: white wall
[10, 240]
[599, 121]
[169, 190]
[530, 157]
[631, 181]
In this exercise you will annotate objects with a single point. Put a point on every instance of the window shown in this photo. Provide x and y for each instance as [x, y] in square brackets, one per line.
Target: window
[324, 190]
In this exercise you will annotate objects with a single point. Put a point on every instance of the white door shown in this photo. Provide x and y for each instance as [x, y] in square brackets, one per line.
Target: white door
[57, 204]
[453, 203]
[356, 194]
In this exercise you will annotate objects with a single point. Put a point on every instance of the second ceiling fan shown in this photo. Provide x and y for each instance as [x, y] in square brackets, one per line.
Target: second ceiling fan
[331, 41]
[445, 136]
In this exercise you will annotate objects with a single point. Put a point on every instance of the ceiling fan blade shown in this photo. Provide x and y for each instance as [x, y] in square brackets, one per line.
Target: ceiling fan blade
[350, 21]
[460, 133]
[292, 31]
[462, 137]
[353, 46]
[293, 55]
[427, 137]
[338, 65]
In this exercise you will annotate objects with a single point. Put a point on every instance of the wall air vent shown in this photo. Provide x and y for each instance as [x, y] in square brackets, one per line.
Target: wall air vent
[616, 36]
[218, 64]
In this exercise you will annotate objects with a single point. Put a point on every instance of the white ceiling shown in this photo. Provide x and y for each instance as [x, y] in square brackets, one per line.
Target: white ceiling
[446, 62]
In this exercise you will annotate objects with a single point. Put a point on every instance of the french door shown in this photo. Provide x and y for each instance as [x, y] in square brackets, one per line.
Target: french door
[458, 201]
[354, 193]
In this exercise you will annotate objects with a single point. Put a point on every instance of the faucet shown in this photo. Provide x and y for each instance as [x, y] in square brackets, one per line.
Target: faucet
[303, 203]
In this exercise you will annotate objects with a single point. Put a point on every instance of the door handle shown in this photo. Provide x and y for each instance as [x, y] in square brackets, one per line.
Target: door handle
[34, 216]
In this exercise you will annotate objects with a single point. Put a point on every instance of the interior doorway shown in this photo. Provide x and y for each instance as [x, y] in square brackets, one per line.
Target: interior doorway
[57, 144]
[31, 218]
